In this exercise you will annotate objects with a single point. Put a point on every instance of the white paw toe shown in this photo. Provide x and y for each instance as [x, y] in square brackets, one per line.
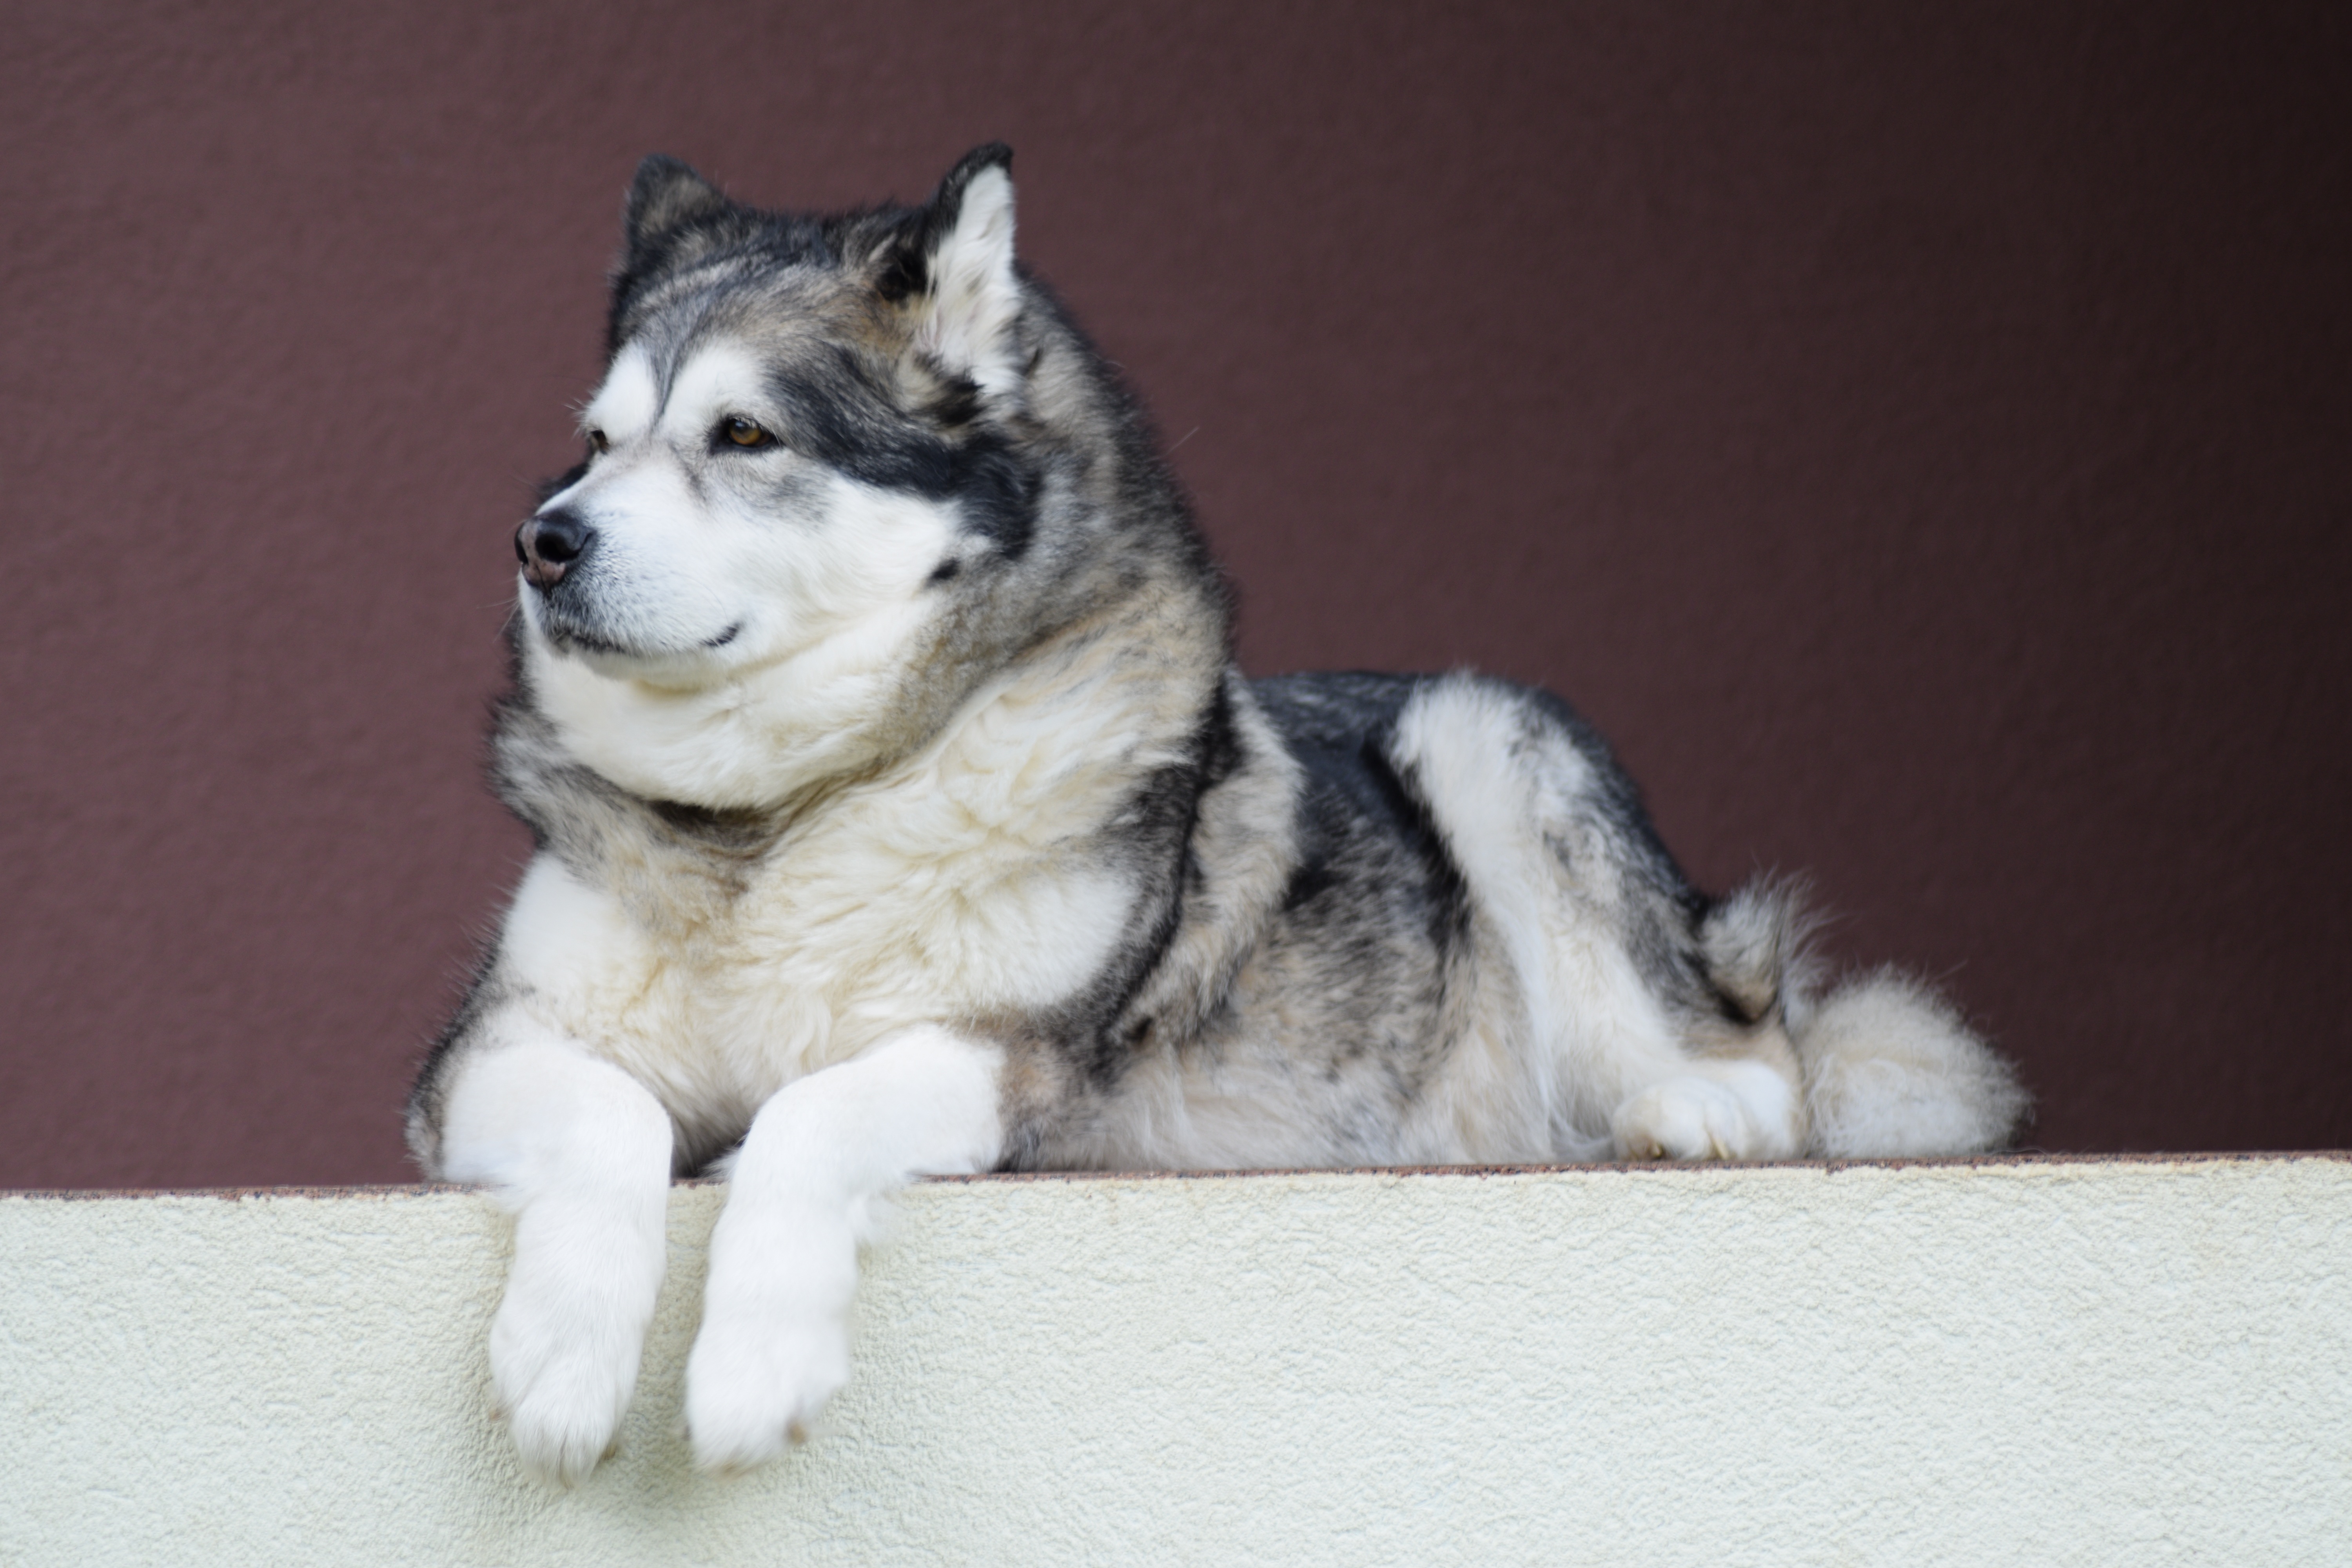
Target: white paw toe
[562, 1397]
[753, 1388]
[1688, 1119]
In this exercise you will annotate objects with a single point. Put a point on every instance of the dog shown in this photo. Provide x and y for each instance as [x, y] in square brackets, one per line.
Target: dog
[899, 810]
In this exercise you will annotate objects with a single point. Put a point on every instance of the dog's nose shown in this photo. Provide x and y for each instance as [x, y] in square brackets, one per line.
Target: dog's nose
[549, 543]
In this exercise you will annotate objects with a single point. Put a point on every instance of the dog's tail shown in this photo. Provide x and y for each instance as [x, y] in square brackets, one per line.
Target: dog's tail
[1889, 1068]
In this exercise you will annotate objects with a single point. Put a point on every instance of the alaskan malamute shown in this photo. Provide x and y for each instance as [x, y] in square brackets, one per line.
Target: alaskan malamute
[901, 809]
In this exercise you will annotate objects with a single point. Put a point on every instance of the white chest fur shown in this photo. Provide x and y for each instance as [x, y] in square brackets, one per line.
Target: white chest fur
[969, 881]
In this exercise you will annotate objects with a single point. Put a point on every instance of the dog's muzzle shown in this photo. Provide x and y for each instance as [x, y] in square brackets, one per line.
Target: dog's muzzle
[548, 545]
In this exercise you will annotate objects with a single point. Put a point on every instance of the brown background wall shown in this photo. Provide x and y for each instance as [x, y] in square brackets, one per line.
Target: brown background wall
[1917, 434]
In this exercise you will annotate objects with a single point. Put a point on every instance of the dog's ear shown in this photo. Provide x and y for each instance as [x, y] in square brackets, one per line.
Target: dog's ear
[951, 267]
[665, 197]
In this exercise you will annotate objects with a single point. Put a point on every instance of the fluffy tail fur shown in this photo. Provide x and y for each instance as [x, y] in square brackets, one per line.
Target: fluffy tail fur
[1889, 1068]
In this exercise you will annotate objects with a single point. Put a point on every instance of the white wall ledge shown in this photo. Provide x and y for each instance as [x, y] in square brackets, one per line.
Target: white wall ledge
[2041, 1360]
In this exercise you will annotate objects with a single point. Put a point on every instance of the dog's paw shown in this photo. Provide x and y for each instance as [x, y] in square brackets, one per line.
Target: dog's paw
[1688, 1119]
[754, 1385]
[562, 1384]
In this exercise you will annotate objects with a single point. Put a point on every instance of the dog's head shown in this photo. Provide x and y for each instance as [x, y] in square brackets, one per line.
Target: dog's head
[835, 468]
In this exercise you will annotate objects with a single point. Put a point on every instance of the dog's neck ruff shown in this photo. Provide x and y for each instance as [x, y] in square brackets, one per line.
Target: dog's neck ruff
[753, 740]
[1058, 734]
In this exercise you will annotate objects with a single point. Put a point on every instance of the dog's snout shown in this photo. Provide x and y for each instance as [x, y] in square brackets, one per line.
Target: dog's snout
[549, 543]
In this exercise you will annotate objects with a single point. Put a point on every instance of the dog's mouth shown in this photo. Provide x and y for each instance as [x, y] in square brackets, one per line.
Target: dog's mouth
[578, 640]
[557, 615]
[568, 631]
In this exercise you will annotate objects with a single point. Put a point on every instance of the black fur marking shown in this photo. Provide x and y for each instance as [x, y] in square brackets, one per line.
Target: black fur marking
[1224, 753]
[1313, 876]
[906, 272]
[906, 269]
[1157, 831]
[1323, 719]
[1449, 895]
[734, 831]
[937, 218]
[839, 416]
[549, 488]
[1340, 728]
[957, 404]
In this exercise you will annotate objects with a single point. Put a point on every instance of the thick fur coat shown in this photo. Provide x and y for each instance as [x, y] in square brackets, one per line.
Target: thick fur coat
[899, 810]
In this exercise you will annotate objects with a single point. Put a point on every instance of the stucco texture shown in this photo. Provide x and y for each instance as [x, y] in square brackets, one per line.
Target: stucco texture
[2040, 1361]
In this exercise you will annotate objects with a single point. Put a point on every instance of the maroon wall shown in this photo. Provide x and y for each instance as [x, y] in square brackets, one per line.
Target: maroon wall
[1918, 433]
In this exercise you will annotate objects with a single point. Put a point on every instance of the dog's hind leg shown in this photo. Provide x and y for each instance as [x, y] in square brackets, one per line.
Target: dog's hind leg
[1621, 1033]
[579, 1153]
[775, 1344]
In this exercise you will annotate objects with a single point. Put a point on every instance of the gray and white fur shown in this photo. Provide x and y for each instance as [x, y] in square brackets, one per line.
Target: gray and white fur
[899, 809]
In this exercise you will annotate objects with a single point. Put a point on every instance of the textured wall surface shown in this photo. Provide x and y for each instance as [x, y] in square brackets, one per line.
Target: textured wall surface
[1916, 434]
[2065, 1362]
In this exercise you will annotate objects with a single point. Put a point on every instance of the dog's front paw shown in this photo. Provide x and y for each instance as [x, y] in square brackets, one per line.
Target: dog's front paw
[754, 1385]
[1693, 1119]
[562, 1383]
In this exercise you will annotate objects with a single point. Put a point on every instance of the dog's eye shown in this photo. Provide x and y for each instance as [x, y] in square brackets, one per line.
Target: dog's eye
[596, 442]
[744, 432]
